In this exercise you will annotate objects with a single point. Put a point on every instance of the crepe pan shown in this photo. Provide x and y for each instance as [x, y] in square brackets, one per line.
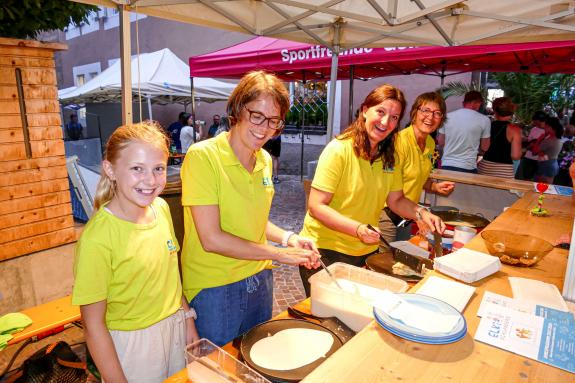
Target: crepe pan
[475, 220]
[270, 328]
[383, 263]
[335, 325]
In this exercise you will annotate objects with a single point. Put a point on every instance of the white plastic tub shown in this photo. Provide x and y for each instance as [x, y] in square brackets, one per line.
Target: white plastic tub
[353, 307]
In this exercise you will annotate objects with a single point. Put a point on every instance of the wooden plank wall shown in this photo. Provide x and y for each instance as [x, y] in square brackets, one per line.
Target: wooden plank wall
[35, 207]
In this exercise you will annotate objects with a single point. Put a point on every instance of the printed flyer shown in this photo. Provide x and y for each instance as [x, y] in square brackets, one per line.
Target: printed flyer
[549, 338]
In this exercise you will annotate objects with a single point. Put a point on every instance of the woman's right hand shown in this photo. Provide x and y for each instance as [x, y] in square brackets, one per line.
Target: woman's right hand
[298, 256]
[366, 235]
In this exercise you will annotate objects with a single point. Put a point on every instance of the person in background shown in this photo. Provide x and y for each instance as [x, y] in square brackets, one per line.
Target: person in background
[505, 142]
[188, 134]
[274, 148]
[127, 282]
[74, 130]
[464, 135]
[354, 180]
[224, 125]
[174, 131]
[414, 150]
[528, 164]
[566, 155]
[547, 151]
[214, 127]
[227, 193]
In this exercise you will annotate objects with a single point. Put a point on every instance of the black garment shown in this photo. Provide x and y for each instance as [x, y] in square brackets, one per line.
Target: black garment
[174, 132]
[74, 130]
[328, 257]
[527, 169]
[500, 149]
[212, 130]
[274, 146]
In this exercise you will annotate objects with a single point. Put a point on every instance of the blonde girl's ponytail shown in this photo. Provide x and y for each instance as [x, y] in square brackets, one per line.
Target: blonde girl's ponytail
[149, 132]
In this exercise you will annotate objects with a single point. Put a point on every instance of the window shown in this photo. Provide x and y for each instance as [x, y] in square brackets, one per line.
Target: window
[80, 80]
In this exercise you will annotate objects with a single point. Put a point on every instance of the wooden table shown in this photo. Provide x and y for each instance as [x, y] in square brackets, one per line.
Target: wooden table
[482, 180]
[375, 355]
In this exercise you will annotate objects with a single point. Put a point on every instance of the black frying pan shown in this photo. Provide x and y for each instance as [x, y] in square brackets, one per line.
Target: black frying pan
[270, 328]
[474, 220]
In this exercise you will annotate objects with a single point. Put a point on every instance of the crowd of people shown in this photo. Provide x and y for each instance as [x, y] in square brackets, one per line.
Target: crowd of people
[139, 312]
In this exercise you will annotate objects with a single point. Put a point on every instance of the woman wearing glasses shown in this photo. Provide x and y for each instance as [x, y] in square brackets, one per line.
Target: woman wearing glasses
[354, 180]
[415, 148]
[227, 195]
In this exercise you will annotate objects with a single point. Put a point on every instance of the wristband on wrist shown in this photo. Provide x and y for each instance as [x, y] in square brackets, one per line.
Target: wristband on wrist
[418, 216]
[191, 313]
[287, 235]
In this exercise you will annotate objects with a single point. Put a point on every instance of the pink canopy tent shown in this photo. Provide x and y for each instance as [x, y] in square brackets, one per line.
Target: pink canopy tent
[296, 61]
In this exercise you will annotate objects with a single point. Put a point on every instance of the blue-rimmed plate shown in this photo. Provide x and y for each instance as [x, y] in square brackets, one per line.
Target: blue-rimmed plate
[400, 329]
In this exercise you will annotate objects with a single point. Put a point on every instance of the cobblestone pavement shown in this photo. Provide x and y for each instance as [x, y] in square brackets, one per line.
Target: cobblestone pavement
[288, 211]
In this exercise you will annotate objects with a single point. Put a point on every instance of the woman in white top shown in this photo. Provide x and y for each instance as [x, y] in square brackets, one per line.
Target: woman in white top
[188, 135]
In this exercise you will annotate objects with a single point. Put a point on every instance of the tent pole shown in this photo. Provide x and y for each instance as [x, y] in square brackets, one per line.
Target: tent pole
[350, 116]
[193, 108]
[126, 65]
[149, 107]
[302, 127]
[333, 80]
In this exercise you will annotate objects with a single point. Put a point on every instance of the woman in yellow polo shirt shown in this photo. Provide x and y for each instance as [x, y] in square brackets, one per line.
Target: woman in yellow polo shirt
[415, 148]
[354, 180]
[227, 192]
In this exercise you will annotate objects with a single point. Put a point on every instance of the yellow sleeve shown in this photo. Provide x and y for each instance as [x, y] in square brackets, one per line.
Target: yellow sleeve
[92, 270]
[399, 157]
[329, 168]
[199, 179]
[396, 180]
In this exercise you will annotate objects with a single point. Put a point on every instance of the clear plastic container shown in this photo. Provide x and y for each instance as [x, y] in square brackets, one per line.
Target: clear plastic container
[208, 363]
[354, 304]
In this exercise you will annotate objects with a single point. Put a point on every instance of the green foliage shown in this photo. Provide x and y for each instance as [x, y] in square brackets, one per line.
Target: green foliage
[458, 88]
[533, 92]
[25, 18]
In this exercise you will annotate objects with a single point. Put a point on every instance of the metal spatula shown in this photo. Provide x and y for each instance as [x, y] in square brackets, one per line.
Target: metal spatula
[329, 273]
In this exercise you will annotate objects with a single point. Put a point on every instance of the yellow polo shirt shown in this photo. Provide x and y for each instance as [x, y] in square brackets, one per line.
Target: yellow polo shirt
[133, 267]
[359, 191]
[413, 165]
[213, 175]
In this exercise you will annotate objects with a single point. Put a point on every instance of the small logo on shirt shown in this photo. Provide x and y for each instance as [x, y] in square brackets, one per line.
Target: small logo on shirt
[266, 181]
[171, 247]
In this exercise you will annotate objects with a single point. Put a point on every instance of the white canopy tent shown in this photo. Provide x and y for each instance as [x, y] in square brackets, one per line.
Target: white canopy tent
[345, 24]
[160, 77]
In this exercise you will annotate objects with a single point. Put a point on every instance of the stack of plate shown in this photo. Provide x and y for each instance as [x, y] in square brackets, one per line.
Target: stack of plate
[400, 329]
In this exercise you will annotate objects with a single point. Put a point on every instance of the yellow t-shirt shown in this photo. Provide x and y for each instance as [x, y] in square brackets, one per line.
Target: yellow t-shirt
[359, 191]
[213, 175]
[133, 267]
[413, 164]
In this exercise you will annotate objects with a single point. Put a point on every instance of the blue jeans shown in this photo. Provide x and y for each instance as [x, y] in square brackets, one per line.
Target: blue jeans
[225, 312]
[456, 169]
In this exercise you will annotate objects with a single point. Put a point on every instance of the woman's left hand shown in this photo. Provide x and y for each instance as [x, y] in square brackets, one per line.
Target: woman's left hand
[304, 243]
[430, 222]
[443, 188]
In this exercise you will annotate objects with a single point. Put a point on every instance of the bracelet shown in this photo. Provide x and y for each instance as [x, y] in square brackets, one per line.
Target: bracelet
[357, 230]
[418, 216]
[287, 235]
[191, 313]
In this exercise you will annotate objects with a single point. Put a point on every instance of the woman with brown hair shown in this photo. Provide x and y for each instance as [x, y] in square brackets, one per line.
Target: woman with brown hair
[227, 194]
[354, 180]
[505, 142]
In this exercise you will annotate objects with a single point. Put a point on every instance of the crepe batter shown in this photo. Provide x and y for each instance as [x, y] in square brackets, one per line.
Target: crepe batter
[290, 349]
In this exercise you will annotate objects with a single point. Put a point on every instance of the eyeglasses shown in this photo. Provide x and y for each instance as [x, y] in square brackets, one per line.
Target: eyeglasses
[427, 112]
[258, 118]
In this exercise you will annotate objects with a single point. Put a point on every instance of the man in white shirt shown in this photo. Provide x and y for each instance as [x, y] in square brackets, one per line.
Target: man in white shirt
[465, 132]
[528, 165]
